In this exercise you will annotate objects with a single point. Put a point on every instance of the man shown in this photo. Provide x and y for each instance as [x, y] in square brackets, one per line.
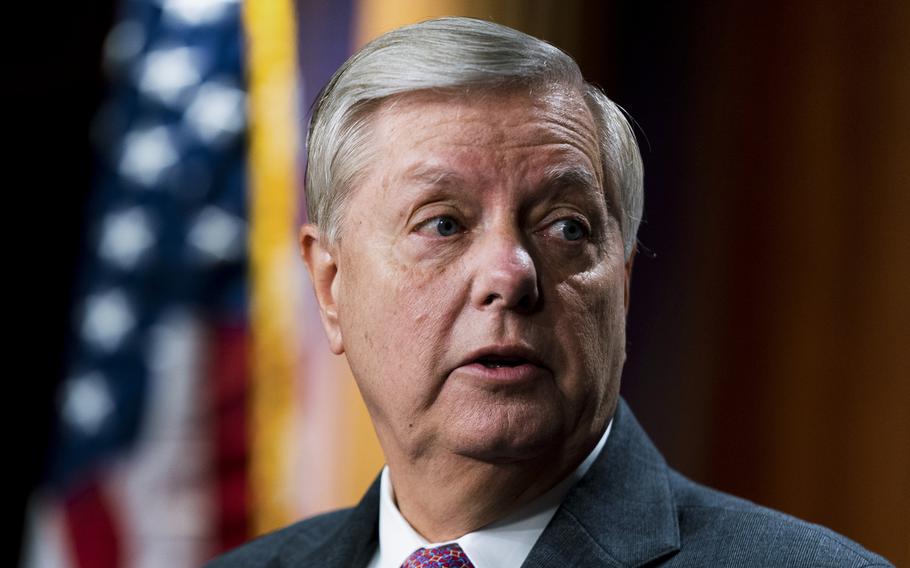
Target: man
[474, 205]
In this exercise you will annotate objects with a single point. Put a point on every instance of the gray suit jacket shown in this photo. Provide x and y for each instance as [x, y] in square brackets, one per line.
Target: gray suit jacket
[629, 510]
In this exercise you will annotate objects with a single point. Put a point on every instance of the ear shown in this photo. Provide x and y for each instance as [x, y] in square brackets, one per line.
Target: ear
[322, 264]
[628, 279]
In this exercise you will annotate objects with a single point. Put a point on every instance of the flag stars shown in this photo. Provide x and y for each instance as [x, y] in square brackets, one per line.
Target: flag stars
[217, 112]
[216, 235]
[196, 12]
[124, 42]
[169, 137]
[126, 237]
[147, 153]
[86, 403]
[167, 74]
[108, 318]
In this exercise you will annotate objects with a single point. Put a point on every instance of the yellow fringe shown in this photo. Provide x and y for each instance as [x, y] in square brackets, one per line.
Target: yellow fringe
[274, 140]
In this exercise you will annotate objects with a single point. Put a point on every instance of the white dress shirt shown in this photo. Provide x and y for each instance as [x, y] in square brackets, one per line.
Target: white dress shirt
[503, 544]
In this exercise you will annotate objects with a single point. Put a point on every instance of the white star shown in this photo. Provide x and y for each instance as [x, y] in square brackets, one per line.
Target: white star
[86, 402]
[146, 154]
[108, 318]
[167, 74]
[196, 12]
[216, 234]
[124, 42]
[126, 236]
[217, 111]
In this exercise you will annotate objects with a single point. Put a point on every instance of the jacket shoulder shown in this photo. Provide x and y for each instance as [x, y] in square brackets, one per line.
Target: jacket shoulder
[262, 552]
[718, 529]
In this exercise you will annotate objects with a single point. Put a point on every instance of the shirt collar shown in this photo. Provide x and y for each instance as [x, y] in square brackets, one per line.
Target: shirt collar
[503, 544]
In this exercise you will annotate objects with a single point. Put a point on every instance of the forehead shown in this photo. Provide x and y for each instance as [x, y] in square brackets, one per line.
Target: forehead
[487, 136]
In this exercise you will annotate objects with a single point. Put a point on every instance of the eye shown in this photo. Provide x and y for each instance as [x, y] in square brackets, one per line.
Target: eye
[570, 229]
[442, 225]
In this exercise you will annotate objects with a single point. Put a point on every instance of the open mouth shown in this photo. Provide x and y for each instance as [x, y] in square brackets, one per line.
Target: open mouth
[505, 364]
[493, 362]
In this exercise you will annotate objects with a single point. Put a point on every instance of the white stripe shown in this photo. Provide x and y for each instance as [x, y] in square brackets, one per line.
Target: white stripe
[163, 490]
[45, 544]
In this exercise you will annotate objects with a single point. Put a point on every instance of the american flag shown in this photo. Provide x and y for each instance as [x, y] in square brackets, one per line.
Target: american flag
[147, 466]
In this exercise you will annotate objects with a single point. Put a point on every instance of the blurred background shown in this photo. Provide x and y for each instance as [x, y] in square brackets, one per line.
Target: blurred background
[176, 396]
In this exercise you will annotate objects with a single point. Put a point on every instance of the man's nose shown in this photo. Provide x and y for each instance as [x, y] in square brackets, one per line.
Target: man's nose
[505, 274]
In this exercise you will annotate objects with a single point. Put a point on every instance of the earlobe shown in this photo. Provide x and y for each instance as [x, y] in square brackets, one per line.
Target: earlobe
[321, 263]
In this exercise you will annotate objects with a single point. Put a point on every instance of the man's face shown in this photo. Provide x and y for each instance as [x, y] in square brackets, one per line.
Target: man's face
[478, 286]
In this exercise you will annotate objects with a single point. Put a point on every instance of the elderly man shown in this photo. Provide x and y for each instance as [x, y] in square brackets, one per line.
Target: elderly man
[474, 205]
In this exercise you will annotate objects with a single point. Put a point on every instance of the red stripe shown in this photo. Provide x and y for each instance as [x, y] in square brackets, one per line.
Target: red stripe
[90, 527]
[230, 387]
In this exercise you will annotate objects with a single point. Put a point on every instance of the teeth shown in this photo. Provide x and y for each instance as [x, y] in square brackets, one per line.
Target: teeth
[497, 363]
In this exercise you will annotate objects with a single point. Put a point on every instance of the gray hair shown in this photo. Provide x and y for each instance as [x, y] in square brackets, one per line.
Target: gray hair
[448, 54]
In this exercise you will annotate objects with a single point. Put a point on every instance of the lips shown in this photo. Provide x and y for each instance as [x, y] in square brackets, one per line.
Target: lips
[504, 363]
[494, 362]
[504, 356]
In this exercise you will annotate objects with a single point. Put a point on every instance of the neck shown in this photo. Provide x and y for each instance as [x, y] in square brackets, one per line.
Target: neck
[447, 496]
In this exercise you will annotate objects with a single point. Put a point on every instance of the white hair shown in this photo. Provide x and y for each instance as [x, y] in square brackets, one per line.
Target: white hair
[452, 54]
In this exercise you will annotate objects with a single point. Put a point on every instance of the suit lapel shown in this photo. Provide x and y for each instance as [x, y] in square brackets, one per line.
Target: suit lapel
[351, 545]
[622, 513]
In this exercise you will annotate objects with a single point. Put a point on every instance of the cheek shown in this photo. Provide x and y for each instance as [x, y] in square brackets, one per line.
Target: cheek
[596, 323]
[424, 301]
[395, 325]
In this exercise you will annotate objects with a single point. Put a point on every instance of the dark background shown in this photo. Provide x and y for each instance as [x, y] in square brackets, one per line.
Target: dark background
[770, 315]
[52, 85]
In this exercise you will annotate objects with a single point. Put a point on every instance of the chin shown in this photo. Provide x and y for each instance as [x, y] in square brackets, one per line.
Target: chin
[506, 434]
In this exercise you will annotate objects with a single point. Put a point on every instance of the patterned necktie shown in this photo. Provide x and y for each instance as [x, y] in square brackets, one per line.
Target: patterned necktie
[445, 556]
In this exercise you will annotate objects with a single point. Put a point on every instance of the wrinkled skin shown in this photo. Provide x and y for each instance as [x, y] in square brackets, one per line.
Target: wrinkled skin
[480, 224]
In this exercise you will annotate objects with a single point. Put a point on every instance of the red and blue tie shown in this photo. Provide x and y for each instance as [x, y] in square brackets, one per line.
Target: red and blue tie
[445, 556]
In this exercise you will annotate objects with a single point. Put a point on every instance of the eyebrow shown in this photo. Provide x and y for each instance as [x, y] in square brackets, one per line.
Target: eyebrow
[556, 181]
[435, 176]
[560, 177]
